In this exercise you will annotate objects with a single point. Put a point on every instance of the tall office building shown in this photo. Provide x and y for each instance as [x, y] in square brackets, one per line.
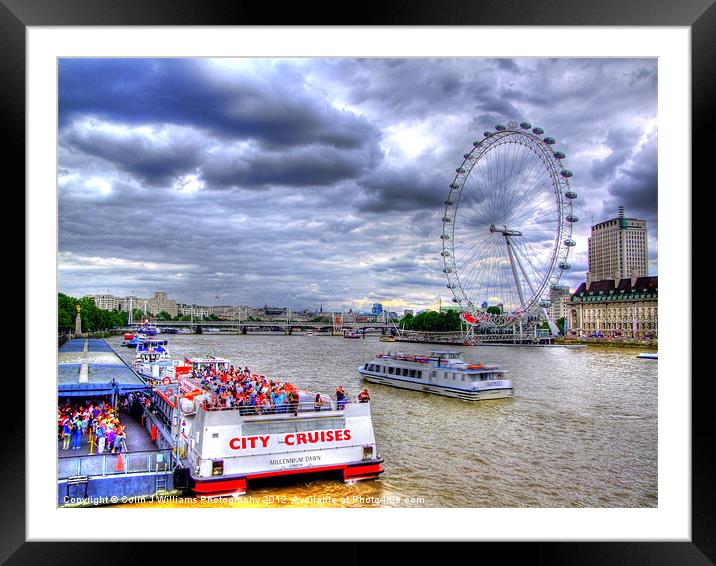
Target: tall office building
[559, 298]
[618, 249]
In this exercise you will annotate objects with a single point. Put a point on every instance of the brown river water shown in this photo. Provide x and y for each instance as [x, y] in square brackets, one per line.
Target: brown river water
[581, 430]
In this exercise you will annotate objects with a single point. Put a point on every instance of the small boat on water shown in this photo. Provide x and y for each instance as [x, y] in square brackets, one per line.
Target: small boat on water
[441, 372]
[352, 334]
[152, 360]
[387, 338]
[649, 355]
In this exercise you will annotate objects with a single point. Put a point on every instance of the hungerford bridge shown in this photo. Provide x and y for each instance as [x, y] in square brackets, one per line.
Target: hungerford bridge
[338, 327]
[283, 325]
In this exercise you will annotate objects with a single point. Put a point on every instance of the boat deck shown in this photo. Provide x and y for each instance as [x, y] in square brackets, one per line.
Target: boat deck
[138, 438]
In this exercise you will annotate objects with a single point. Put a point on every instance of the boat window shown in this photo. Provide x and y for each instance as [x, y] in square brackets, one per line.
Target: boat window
[390, 370]
[435, 374]
[405, 372]
[463, 378]
[412, 373]
[420, 374]
[366, 366]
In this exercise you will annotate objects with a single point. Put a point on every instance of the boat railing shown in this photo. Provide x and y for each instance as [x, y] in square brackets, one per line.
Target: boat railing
[112, 464]
[283, 409]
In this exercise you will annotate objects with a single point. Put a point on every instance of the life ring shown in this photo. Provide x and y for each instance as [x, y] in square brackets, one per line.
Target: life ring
[166, 380]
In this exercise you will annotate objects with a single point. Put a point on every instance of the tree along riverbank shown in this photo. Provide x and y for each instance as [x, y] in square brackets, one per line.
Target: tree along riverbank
[618, 343]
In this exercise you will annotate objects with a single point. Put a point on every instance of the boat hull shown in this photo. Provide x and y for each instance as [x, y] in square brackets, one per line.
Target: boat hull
[455, 393]
[238, 484]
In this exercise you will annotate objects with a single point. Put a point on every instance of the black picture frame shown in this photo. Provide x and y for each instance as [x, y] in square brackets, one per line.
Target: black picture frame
[699, 15]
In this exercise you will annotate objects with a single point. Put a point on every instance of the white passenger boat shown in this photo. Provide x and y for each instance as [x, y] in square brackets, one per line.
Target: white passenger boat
[223, 449]
[152, 361]
[442, 372]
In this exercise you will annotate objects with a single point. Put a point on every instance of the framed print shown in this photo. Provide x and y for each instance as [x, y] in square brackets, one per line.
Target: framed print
[388, 279]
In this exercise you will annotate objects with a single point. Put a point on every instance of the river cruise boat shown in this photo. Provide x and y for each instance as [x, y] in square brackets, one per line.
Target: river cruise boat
[442, 372]
[352, 334]
[649, 355]
[222, 450]
[152, 360]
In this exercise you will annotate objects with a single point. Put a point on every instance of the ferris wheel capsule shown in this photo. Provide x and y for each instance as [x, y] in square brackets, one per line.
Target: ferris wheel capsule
[570, 242]
[487, 134]
[545, 304]
[476, 143]
[563, 265]
[570, 195]
[549, 140]
[538, 131]
[572, 218]
[559, 155]
[565, 173]
[525, 125]
[454, 186]
[500, 128]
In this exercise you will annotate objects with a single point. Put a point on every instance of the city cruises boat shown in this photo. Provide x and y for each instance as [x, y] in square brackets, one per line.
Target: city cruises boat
[441, 372]
[649, 355]
[222, 450]
[352, 334]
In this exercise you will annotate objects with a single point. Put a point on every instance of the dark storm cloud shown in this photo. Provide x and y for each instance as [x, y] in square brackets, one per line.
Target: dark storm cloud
[636, 184]
[291, 182]
[157, 156]
[405, 189]
[300, 167]
[274, 107]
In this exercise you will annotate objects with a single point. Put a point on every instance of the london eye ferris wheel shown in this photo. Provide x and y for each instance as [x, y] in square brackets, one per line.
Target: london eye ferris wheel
[507, 226]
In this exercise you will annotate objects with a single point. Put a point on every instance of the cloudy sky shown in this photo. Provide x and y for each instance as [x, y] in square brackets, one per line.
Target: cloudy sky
[294, 181]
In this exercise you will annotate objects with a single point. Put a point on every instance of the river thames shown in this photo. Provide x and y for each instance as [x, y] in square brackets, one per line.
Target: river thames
[581, 430]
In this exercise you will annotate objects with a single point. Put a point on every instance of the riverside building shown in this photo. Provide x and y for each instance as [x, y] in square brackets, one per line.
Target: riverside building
[626, 308]
[618, 248]
[559, 298]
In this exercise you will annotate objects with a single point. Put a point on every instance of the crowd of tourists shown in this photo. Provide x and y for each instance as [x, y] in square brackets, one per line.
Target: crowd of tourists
[257, 394]
[93, 422]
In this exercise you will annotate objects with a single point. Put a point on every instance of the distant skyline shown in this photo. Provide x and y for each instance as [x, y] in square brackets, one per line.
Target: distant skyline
[292, 182]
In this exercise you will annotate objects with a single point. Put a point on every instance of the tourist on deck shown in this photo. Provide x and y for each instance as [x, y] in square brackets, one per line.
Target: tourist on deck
[119, 441]
[76, 433]
[318, 403]
[101, 439]
[341, 398]
[66, 433]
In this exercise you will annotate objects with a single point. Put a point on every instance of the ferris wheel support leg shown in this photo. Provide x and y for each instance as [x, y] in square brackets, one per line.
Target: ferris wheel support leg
[552, 326]
[513, 258]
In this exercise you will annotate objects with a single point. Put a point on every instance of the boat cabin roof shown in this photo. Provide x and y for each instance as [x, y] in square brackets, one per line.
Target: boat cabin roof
[449, 354]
